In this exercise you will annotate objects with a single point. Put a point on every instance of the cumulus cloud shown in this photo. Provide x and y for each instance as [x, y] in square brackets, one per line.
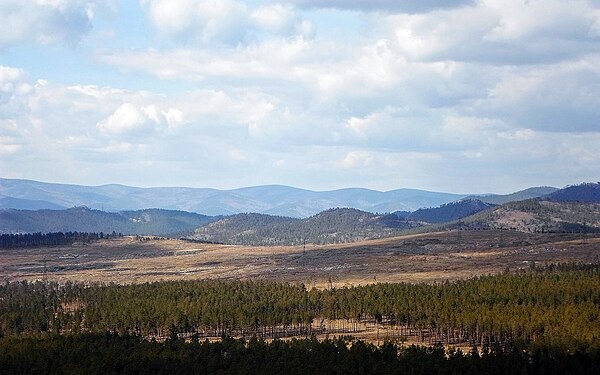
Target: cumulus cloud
[129, 118]
[203, 20]
[390, 94]
[45, 22]
[223, 21]
[560, 98]
[12, 81]
[499, 32]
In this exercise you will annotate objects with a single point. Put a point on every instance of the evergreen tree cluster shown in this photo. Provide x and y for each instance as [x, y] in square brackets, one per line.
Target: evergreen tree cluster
[558, 307]
[337, 225]
[125, 354]
[10, 241]
[449, 211]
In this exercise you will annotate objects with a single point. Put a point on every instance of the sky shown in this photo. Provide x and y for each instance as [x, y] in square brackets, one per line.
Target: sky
[458, 96]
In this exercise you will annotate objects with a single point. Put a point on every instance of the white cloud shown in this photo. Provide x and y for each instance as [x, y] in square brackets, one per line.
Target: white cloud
[563, 97]
[390, 94]
[499, 32]
[274, 18]
[202, 20]
[355, 159]
[128, 118]
[223, 21]
[46, 22]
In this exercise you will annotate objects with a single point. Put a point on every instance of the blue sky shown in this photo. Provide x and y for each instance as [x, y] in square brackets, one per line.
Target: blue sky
[461, 96]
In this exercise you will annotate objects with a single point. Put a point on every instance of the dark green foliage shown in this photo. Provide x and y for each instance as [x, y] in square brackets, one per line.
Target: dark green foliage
[587, 192]
[449, 212]
[124, 354]
[8, 241]
[536, 322]
[557, 307]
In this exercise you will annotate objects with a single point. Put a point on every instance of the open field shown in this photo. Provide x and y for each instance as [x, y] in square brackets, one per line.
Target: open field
[414, 258]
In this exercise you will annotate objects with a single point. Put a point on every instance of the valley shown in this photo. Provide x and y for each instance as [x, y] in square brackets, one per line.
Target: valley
[426, 257]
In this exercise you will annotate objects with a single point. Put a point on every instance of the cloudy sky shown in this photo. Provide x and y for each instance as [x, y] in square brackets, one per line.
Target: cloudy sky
[460, 96]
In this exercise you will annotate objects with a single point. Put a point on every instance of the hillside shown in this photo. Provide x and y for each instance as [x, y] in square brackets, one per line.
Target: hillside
[588, 192]
[536, 215]
[83, 219]
[331, 226]
[270, 199]
[533, 192]
[448, 212]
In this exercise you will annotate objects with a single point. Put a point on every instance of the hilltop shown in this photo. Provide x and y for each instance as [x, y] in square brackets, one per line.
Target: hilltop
[447, 212]
[587, 192]
[536, 215]
[337, 225]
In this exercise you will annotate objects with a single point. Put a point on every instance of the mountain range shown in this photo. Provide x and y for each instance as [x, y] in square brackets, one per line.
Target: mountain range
[574, 208]
[269, 199]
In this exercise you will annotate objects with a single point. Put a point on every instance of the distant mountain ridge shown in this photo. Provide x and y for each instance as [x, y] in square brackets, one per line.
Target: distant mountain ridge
[270, 199]
[571, 209]
[532, 192]
[28, 204]
[83, 219]
[449, 211]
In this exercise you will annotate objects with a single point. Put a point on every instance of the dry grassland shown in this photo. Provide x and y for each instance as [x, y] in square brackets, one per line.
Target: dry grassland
[413, 258]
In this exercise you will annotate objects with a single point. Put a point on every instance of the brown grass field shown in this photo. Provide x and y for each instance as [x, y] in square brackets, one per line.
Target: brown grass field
[413, 258]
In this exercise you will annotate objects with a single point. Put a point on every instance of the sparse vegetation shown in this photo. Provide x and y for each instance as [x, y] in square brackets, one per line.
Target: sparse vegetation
[535, 215]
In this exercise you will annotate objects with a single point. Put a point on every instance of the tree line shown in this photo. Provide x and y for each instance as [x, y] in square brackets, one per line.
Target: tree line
[10, 241]
[126, 354]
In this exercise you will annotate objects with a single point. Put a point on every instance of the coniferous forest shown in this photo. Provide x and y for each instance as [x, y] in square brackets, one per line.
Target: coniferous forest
[532, 318]
[8, 241]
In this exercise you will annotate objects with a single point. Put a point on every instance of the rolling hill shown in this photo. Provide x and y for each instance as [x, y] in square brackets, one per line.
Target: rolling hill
[336, 225]
[537, 215]
[270, 199]
[449, 211]
[588, 193]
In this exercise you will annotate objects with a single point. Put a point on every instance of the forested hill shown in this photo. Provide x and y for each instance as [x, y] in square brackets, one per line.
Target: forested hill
[82, 219]
[336, 225]
[536, 215]
[447, 212]
[588, 192]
